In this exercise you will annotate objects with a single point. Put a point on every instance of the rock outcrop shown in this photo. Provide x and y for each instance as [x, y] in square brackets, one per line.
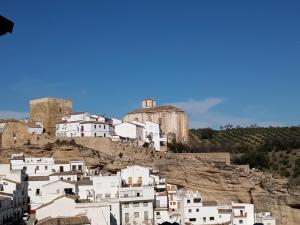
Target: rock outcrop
[214, 180]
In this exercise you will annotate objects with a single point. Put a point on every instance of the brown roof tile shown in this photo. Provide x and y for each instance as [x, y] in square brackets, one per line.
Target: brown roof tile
[75, 220]
[156, 109]
[38, 178]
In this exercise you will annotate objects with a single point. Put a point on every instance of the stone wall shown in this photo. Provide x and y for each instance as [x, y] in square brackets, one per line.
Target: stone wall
[49, 111]
[210, 156]
[15, 134]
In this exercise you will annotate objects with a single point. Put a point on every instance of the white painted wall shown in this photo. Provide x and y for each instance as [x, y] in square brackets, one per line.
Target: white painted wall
[106, 186]
[137, 212]
[242, 214]
[98, 213]
[126, 130]
[152, 129]
[137, 173]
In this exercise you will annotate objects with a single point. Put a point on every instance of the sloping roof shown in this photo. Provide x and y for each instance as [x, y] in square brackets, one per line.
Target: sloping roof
[77, 113]
[210, 203]
[165, 108]
[75, 220]
[84, 182]
[65, 173]
[11, 181]
[74, 197]
[38, 178]
[225, 210]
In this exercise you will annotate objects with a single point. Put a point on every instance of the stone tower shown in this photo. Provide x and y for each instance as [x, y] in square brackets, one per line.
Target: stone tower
[173, 121]
[48, 112]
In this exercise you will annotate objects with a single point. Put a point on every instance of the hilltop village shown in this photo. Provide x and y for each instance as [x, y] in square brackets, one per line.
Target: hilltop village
[50, 190]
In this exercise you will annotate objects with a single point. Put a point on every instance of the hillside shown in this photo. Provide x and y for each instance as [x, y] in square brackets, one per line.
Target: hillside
[273, 149]
[214, 180]
[279, 137]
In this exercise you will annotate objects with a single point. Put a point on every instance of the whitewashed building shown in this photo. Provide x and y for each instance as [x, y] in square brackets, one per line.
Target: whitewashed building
[196, 211]
[45, 166]
[84, 124]
[242, 214]
[98, 213]
[13, 193]
[130, 131]
[265, 218]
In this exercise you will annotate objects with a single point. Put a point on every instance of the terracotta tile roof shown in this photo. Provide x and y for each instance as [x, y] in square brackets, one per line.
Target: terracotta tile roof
[61, 162]
[165, 108]
[210, 203]
[38, 178]
[75, 220]
[84, 182]
[77, 113]
[225, 210]
[65, 173]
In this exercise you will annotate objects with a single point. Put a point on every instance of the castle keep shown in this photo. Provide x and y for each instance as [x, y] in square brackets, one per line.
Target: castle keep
[173, 121]
[49, 111]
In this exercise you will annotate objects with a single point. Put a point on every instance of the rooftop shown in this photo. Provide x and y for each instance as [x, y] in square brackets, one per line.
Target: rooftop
[38, 178]
[47, 99]
[166, 108]
[75, 220]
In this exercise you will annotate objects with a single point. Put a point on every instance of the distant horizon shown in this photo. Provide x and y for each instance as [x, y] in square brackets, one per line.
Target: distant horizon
[223, 62]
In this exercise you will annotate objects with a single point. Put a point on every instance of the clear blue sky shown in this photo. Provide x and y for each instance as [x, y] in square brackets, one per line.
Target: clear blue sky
[222, 61]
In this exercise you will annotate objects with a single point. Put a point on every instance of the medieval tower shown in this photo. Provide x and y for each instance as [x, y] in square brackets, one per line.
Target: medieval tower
[49, 111]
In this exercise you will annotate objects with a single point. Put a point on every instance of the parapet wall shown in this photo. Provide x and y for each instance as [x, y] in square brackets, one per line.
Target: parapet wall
[209, 156]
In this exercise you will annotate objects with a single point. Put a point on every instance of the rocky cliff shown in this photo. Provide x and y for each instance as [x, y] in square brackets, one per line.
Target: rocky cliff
[214, 180]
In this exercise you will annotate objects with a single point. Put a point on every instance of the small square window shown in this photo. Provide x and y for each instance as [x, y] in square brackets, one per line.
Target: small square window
[136, 215]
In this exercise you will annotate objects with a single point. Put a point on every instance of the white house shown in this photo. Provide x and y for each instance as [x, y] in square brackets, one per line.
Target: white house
[45, 166]
[66, 206]
[196, 211]
[130, 131]
[13, 188]
[137, 176]
[265, 218]
[242, 214]
[84, 124]
[136, 204]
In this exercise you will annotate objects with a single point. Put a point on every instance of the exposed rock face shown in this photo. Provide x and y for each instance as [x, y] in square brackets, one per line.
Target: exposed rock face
[214, 180]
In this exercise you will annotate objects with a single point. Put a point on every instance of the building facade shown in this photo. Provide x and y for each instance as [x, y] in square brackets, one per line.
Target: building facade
[172, 120]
